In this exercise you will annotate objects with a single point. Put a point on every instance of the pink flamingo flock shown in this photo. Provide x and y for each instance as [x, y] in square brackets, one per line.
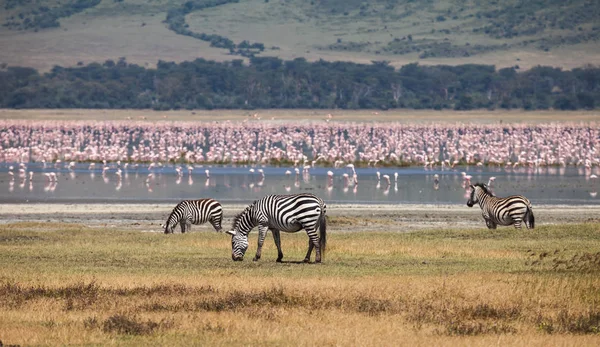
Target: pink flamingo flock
[303, 144]
[118, 145]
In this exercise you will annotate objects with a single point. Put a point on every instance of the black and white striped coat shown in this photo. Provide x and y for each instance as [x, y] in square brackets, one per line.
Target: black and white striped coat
[288, 213]
[197, 212]
[512, 210]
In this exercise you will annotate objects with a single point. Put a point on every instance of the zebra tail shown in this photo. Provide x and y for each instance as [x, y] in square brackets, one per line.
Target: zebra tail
[322, 234]
[530, 218]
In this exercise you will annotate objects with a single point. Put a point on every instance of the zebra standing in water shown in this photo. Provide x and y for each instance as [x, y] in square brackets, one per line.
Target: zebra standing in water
[197, 212]
[512, 210]
[289, 213]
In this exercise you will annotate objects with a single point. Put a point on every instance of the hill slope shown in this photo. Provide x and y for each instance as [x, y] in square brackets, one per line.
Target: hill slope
[41, 34]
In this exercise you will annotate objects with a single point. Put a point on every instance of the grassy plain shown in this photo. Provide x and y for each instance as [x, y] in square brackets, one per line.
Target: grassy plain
[135, 29]
[67, 283]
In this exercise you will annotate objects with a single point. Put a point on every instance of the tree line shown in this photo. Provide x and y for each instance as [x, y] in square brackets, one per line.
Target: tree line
[42, 15]
[268, 82]
[176, 22]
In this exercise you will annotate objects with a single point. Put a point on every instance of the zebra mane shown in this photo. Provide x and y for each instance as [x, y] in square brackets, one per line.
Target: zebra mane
[172, 217]
[239, 216]
[484, 187]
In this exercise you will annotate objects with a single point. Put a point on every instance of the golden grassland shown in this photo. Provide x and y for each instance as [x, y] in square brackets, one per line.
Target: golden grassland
[64, 283]
[282, 115]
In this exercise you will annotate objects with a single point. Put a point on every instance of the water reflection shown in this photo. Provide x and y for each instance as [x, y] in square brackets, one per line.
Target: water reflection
[116, 182]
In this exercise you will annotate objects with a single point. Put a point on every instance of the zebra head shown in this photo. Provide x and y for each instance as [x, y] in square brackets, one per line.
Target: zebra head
[472, 197]
[169, 225]
[168, 229]
[242, 224]
[239, 245]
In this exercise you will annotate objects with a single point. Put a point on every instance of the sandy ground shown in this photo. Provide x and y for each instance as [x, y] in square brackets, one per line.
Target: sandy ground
[278, 115]
[398, 218]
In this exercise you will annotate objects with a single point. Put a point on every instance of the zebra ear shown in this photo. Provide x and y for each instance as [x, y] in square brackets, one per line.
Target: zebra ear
[231, 232]
[472, 186]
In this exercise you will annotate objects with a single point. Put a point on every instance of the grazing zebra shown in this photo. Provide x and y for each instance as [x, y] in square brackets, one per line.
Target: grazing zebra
[511, 210]
[289, 213]
[197, 212]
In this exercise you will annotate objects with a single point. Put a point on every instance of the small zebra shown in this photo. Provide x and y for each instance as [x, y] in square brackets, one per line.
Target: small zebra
[197, 212]
[289, 213]
[512, 210]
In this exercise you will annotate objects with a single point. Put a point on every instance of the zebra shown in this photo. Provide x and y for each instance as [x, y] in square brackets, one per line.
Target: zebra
[512, 210]
[289, 213]
[189, 212]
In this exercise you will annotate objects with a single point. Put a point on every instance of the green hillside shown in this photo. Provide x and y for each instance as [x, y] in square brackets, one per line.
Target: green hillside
[43, 33]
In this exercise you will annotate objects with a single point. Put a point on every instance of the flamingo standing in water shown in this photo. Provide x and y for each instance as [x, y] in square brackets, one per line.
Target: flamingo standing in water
[387, 179]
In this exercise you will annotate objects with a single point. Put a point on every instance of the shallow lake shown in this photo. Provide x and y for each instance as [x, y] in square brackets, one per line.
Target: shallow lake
[416, 185]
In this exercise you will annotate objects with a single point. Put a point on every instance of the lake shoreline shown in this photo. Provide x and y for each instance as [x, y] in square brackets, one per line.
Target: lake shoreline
[344, 217]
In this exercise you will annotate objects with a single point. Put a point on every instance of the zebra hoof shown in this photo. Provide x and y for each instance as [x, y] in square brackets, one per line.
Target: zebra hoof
[255, 259]
[278, 260]
[306, 260]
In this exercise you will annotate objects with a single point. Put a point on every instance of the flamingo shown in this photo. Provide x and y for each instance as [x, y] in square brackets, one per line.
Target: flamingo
[387, 179]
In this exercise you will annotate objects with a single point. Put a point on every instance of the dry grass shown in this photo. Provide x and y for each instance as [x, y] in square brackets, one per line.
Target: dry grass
[72, 285]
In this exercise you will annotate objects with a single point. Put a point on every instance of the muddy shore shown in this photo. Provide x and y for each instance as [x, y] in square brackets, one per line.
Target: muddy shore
[398, 218]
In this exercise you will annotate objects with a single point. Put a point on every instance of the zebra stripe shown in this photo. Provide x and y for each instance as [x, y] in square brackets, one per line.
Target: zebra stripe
[197, 212]
[512, 210]
[288, 213]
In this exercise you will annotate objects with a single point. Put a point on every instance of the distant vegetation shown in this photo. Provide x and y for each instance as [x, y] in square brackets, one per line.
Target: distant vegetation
[444, 28]
[272, 83]
[433, 28]
[42, 16]
[176, 21]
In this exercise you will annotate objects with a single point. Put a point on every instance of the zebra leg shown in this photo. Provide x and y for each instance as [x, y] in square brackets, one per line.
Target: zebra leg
[183, 224]
[216, 225]
[262, 233]
[313, 242]
[277, 238]
[490, 224]
[311, 245]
